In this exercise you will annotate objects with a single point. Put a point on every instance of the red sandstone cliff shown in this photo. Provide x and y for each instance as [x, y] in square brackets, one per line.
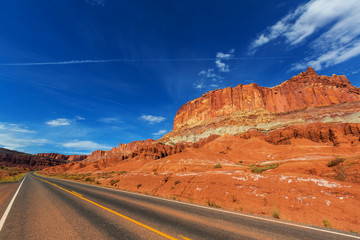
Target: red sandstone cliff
[304, 98]
[304, 90]
[63, 157]
[18, 159]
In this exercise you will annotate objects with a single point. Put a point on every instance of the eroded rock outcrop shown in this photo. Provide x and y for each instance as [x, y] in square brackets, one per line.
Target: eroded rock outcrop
[332, 133]
[71, 158]
[11, 158]
[236, 110]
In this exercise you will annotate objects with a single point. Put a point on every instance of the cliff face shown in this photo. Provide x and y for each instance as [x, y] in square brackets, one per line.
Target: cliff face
[11, 158]
[146, 149]
[303, 98]
[63, 157]
[305, 90]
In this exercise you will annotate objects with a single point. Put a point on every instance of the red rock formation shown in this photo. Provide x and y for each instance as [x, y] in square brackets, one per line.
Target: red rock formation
[63, 157]
[11, 158]
[332, 133]
[305, 90]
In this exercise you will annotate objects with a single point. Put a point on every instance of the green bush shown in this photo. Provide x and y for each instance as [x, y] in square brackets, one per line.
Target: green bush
[261, 169]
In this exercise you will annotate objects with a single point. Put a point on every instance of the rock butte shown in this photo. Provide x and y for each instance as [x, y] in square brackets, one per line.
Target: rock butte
[236, 110]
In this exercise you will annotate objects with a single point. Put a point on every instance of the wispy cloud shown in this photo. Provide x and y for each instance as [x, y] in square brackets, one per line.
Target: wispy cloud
[220, 57]
[336, 20]
[159, 133]
[15, 136]
[211, 77]
[14, 142]
[110, 120]
[90, 61]
[152, 119]
[12, 127]
[100, 3]
[63, 121]
[59, 122]
[84, 145]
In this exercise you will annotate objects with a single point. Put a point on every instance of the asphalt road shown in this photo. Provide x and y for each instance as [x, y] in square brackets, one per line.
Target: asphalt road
[47, 208]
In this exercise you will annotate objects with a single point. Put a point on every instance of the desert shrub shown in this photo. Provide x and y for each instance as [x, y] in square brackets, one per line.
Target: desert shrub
[139, 185]
[173, 197]
[275, 213]
[113, 181]
[177, 182]
[218, 165]
[81, 165]
[90, 179]
[261, 169]
[327, 223]
[335, 162]
[213, 204]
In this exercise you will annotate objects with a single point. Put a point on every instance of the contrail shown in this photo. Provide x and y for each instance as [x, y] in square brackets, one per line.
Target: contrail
[127, 60]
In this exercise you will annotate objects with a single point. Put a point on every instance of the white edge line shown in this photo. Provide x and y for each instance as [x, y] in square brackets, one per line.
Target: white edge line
[215, 209]
[3, 218]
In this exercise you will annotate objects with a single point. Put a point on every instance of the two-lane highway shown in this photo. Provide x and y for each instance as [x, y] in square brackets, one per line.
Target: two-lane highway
[46, 208]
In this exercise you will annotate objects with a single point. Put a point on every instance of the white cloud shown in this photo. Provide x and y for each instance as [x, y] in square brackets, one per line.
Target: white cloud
[223, 67]
[338, 23]
[14, 128]
[14, 136]
[79, 118]
[11, 141]
[84, 145]
[152, 119]
[59, 122]
[199, 85]
[225, 55]
[208, 73]
[159, 133]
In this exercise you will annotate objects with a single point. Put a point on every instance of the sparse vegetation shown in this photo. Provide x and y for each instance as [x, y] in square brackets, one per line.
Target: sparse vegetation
[327, 223]
[11, 174]
[218, 165]
[113, 181]
[90, 179]
[335, 162]
[139, 185]
[275, 213]
[213, 204]
[177, 182]
[263, 168]
[173, 197]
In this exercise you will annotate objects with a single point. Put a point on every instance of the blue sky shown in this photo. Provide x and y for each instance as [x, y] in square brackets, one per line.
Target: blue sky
[82, 75]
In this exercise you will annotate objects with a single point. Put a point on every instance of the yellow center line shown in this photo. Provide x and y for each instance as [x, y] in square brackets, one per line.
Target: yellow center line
[112, 211]
[77, 193]
[185, 238]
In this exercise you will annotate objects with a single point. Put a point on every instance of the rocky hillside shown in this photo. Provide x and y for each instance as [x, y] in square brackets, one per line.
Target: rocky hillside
[236, 110]
[71, 158]
[12, 158]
